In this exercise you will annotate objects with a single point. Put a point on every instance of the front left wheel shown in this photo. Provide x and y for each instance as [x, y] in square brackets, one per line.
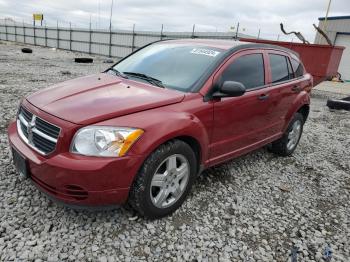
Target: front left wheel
[164, 180]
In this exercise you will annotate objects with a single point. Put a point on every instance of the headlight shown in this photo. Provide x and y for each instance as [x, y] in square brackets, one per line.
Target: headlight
[104, 141]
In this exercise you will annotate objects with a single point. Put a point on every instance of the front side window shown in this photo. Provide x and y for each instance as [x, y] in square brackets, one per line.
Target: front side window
[177, 66]
[279, 68]
[248, 70]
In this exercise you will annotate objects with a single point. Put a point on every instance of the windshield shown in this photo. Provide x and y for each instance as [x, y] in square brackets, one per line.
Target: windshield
[176, 66]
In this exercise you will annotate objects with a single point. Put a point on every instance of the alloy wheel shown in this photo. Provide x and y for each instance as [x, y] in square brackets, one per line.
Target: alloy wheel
[294, 135]
[169, 181]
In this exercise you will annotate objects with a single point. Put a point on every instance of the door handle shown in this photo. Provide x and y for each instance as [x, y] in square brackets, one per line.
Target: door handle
[296, 88]
[263, 97]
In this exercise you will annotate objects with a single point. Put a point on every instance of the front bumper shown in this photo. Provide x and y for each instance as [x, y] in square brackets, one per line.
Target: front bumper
[78, 180]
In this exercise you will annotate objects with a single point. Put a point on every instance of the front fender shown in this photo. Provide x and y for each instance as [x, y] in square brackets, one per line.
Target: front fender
[303, 98]
[161, 125]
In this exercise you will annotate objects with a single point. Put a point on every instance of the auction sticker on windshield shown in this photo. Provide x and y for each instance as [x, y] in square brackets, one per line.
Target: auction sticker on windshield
[202, 51]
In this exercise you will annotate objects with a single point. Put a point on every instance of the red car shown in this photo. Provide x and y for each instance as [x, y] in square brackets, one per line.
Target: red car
[141, 131]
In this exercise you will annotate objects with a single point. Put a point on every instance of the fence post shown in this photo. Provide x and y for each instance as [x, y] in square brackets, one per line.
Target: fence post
[237, 31]
[193, 29]
[45, 34]
[70, 36]
[24, 33]
[133, 38]
[90, 37]
[34, 34]
[58, 36]
[161, 32]
[15, 32]
[110, 42]
[6, 37]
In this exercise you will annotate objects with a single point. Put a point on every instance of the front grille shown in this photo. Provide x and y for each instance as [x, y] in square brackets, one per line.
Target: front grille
[26, 114]
[36, 132]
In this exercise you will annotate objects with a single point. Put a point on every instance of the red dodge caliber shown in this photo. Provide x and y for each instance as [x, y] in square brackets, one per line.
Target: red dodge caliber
[141, 131]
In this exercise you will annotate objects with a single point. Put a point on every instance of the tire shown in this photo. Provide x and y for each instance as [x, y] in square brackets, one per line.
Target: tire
[285, 146]
[84, 60]
[339, 104]
[108, 61]
[145, 190]
[27, 50]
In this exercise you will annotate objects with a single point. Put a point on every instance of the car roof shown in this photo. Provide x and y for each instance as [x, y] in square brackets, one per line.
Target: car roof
[221, 44]
[232, 45]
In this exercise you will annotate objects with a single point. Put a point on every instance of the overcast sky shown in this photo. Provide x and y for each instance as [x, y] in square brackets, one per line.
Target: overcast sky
[180, 15]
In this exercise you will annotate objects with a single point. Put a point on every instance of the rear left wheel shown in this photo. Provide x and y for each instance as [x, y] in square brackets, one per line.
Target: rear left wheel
[286, 145]
[164, 180]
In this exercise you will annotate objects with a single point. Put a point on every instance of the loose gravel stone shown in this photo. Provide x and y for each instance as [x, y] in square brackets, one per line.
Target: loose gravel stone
[236, 211]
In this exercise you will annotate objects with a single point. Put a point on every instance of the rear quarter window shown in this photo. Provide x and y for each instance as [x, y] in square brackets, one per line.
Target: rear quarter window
[298, 68]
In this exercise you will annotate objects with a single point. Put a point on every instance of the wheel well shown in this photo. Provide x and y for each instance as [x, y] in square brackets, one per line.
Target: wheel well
[194, 144]
[304, 110]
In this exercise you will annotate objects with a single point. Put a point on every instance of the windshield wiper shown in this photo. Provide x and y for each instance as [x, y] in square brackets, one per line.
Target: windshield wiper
[116, 72]
[148, 78]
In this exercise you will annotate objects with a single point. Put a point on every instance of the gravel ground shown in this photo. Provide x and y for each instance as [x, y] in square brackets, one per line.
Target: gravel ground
[257, 207]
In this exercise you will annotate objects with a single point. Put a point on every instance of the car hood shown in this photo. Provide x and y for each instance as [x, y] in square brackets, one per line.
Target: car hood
[95, 98]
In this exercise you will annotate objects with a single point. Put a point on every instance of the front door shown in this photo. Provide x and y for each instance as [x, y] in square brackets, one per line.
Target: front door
[242, 123]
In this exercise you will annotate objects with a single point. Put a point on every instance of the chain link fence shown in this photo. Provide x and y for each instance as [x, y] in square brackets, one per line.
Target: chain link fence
[112, 43]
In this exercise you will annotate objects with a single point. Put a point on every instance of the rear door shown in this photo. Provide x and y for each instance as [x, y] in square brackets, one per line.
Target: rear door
[286, 79]
[246, 122]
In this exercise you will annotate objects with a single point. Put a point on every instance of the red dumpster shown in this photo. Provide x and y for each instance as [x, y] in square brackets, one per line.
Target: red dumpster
[321, 61]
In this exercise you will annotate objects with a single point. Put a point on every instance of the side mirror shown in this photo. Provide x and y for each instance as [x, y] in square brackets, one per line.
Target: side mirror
[230, 89]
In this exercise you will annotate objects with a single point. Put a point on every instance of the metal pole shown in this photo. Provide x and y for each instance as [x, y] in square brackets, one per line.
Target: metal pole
[15, 32]
[110, 31]
[70, 36]
[258, 34]
[110, 18]
[193, 30]
[161, 32]
[326, 18]
[110, 43]
[237, 31]
[133, 38]
[90, 38]
[45, 34]
[278, 37]
[24, 33]
[34, 34]
[99, 14]
[58, 36]
[6, 37]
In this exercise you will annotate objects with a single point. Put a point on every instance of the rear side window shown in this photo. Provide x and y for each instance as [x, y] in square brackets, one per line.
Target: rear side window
[297, 68]
[279, 68]
[248, 70]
